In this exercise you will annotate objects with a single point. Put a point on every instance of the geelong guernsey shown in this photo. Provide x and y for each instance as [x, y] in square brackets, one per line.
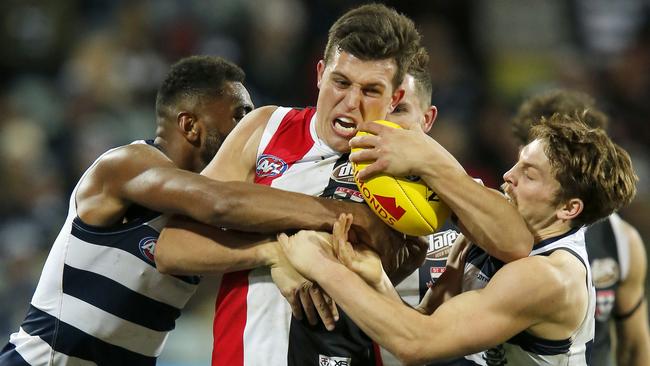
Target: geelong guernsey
[525, 349]
[253, 323]
[100, 299]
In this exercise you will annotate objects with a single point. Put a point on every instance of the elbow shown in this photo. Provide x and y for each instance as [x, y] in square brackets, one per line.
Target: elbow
[164, 260]
[411, 351]
[163, 264]
[409, 357]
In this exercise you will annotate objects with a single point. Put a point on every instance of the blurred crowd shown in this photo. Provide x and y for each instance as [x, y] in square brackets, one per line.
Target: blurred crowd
[79, 77]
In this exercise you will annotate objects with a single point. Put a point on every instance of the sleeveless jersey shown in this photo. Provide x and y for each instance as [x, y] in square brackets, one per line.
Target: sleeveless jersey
[525, 349]
[253, 324]
[100, 299]
[609, 255]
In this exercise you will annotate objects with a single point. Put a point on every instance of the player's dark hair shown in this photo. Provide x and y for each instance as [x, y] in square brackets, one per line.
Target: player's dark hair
[560, 101]
[196, 76]
[375, 32]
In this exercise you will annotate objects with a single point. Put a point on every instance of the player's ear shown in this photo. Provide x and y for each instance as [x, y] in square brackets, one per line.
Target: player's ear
[189, 125]
[430, 118]
[571, 209]
[397, 97]
[320, 69]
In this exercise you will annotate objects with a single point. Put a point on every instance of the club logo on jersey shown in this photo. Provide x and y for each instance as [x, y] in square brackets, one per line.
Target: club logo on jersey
[344, 173]
[605, 272]
[269, 166]
[147, 247]
[333, 361]
[440, 244]
[605, 300]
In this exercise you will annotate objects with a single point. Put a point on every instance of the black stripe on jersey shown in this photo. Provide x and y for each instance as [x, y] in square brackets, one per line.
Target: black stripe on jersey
[118, 300]
[145, 216]
[588, 352]
[601, 242]
[71, 341]
[341, 183]
[10, 357]
[540, 346]
[127, 238]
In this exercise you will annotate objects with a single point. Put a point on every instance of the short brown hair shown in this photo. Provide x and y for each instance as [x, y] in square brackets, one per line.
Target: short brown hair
[419, 69]
[375, 32]
[588, 165]
[560, 101]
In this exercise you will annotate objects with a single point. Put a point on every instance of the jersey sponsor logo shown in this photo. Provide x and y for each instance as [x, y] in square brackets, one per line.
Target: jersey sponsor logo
[333, 361]
[269, 166]
[440, 244]
[344, 173]
[605, 272]
[345, 193]
[147, 247]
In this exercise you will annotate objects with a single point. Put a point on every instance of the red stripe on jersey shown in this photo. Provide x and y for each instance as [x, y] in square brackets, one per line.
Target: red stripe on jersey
[291, 141]
[230, 320]
[378, 359]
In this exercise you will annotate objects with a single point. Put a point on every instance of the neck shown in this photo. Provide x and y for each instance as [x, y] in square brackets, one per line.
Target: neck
[174, 153]
[555, 229]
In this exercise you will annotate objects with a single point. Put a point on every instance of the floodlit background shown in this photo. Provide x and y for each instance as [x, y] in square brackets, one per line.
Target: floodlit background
[79, 77]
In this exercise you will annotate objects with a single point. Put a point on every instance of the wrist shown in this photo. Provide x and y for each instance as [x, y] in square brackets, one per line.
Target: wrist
[269, 253]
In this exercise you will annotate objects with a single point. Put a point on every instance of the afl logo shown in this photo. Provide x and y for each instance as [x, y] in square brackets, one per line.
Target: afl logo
[147, 246]
[269, 166]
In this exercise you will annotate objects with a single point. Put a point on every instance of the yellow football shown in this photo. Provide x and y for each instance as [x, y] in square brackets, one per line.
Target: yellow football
[406, 204]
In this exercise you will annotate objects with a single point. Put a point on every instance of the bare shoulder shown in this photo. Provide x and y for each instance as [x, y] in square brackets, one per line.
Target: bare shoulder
[235, 159]
[99, 193]
[634, 241]
[546, 283]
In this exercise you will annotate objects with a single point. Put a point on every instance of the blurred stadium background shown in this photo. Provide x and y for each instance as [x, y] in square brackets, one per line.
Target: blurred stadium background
[79, 76]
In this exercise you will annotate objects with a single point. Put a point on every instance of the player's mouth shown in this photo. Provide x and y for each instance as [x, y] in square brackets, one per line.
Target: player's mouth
[344, 127]
[505, 188]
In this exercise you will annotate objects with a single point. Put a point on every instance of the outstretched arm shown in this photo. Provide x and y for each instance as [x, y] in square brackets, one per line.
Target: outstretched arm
[513, 300]
[488, 218]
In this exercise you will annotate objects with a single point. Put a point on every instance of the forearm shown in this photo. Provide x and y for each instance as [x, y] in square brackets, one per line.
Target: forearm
[257, 208]
[486, 215]
[186, 247]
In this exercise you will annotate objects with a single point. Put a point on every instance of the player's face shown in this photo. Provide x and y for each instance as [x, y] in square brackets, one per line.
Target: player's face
[221, 115]
[531, 186]
[351, 91]
[412, 108]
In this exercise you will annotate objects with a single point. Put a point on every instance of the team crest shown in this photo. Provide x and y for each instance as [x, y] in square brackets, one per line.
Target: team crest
[147, 247]
[605, 272]
[269, 166]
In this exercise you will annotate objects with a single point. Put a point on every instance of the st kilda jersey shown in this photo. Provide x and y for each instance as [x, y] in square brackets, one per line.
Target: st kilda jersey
[253, 324]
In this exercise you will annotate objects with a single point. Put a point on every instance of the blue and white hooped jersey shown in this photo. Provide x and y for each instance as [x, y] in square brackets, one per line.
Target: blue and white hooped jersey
[100, 299]
[525, 349]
